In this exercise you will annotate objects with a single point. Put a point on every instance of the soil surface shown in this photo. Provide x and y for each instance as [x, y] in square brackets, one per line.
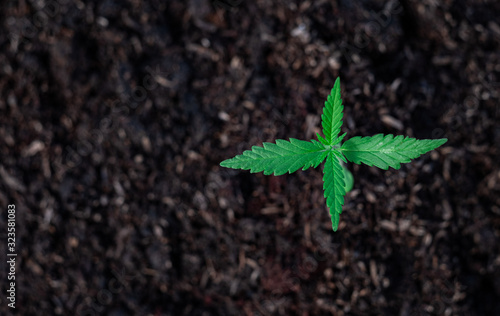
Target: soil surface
[115, 115]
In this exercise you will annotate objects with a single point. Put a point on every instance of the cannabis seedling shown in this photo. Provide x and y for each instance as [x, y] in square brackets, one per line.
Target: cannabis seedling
[382, 151]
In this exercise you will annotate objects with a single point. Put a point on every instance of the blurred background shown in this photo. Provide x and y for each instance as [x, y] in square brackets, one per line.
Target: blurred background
[115, 115]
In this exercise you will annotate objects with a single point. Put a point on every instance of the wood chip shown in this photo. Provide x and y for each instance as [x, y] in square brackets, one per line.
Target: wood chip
[392, 122]
[388, 225]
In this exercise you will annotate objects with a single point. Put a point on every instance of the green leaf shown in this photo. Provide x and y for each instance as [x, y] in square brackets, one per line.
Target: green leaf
[319, 160]
[348, 179]
[280, 158]
[338, 154]
[321, 139]
[334, 186]
[338, 139]
[331, 119]
[387, 151]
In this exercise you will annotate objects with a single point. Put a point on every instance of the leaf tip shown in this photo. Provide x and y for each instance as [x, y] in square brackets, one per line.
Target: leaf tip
[335, 225]
[224, 163]
[442, 141]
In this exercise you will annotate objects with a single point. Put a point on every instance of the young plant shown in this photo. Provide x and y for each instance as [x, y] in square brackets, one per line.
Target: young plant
[382, 151]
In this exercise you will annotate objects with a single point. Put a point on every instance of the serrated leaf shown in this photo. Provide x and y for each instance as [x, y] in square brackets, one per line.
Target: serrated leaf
[338, 139]
[334, 186]
[279, 158]
[320, 158]
[387, 151]
[338, 154]
[321, 139]
[331, 119]
[317, 143]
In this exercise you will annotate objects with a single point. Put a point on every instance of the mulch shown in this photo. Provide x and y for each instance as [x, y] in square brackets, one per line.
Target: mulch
[114, 117]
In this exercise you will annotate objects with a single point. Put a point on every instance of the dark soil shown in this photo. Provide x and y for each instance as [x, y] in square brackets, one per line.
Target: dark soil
[115, 115]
